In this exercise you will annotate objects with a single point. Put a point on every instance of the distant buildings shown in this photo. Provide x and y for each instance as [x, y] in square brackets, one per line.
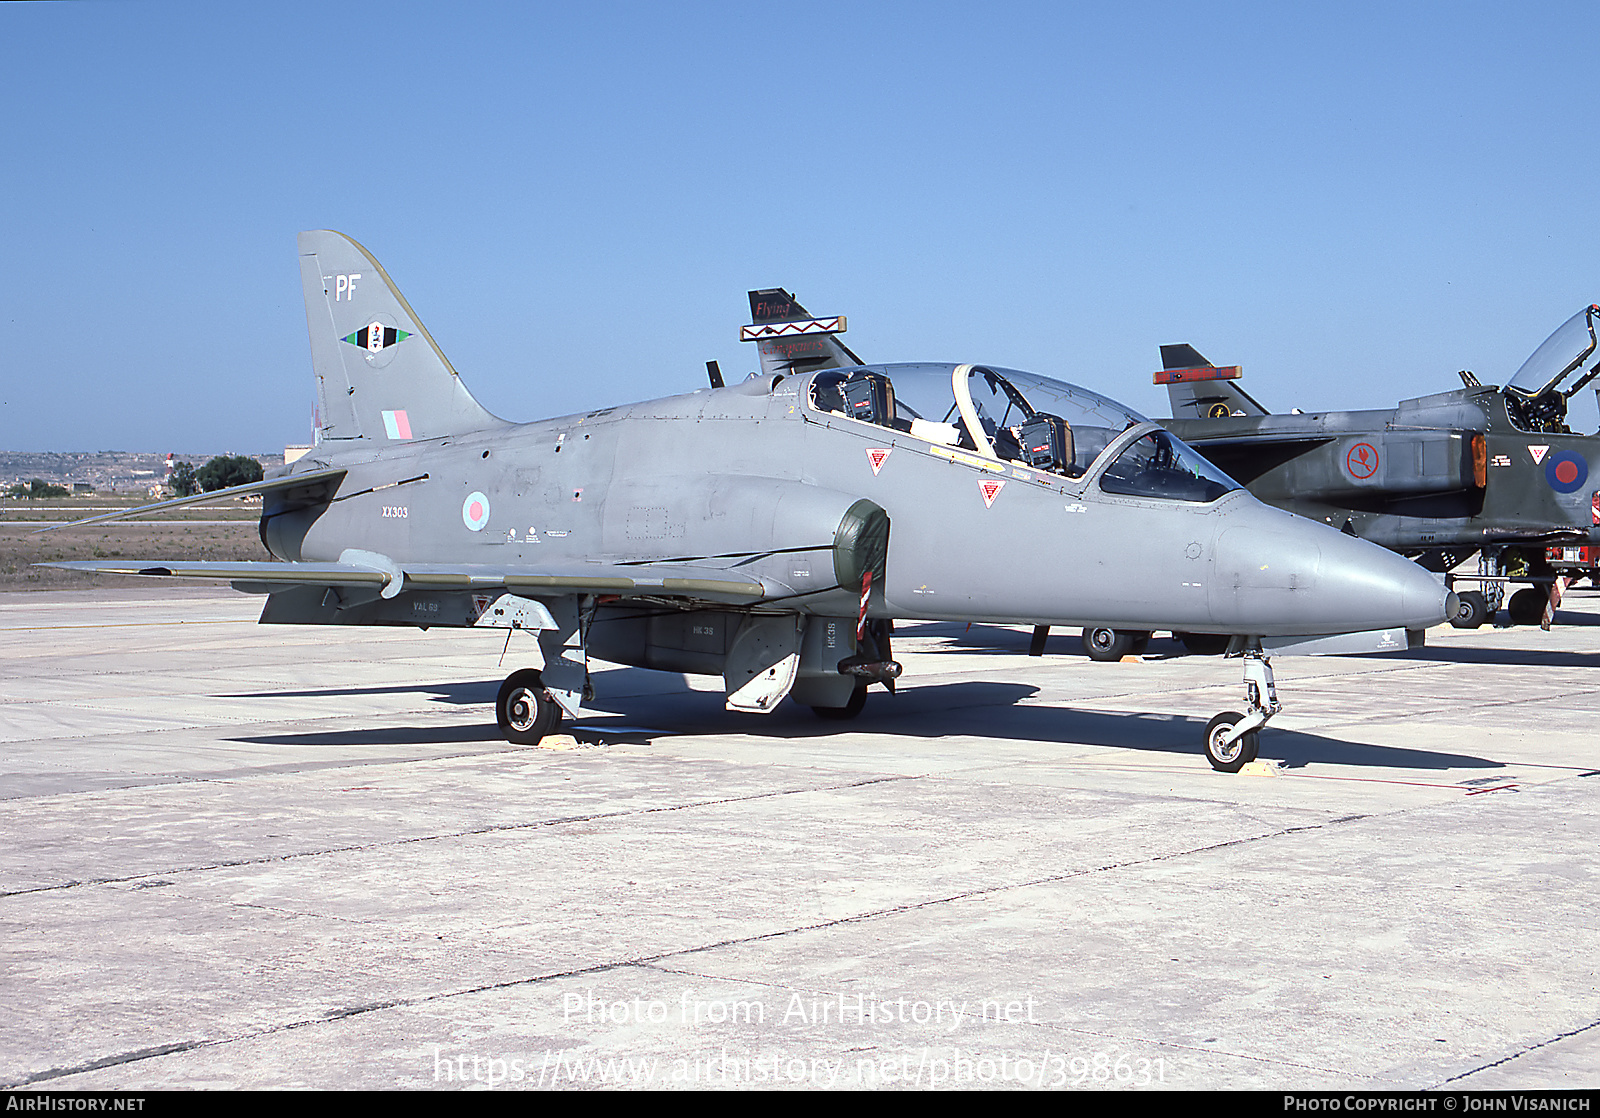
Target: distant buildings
[115, 471]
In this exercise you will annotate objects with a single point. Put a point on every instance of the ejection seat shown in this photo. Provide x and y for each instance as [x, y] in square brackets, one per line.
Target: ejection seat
[864, 395]
[1046, 442]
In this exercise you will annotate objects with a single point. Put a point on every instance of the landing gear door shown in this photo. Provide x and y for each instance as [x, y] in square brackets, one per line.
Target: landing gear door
[566, 663]
[763, 663]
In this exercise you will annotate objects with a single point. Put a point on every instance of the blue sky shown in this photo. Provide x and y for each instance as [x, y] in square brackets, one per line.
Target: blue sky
[1353, 201]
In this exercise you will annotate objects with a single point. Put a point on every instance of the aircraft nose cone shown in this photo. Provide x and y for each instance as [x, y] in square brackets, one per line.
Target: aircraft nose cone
[1281, 575]
[1388, 589]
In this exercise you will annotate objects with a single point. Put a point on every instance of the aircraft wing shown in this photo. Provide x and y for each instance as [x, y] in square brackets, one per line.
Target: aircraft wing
[377, 571]
[267, 574]
[623, 579]
[308, 479]
[1245, 455]
[1196, 435]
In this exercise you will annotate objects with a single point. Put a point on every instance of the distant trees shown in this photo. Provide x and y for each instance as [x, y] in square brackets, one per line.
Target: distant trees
[182, 480]
[221, 472]
[36, 490]
[227, 470]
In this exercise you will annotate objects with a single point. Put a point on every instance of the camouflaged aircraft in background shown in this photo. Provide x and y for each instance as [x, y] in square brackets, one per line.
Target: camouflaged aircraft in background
[745, 530]
[1482, 469]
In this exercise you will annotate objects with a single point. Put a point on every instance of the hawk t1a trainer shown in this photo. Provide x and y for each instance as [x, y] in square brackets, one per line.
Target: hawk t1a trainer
[768, 531]
[1482, 469]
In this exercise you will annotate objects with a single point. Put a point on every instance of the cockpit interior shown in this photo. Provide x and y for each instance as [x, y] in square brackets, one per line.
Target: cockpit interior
[985, 411]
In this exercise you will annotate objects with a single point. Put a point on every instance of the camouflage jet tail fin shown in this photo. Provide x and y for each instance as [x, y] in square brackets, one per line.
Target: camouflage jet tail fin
[380, 376]
[790, 340]
[1197, 389]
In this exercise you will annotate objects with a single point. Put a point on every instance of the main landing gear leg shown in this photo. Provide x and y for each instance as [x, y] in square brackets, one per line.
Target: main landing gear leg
[1231, 737]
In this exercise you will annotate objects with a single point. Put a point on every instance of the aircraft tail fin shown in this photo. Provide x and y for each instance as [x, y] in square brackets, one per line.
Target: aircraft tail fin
[1197, 389]
[380, 376]
[789, 339]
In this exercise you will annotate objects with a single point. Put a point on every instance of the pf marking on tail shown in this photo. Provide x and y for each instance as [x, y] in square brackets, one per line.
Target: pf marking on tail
[344, 287]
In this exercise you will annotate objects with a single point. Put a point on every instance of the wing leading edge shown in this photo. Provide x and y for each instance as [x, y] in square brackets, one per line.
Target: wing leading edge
[328, 478]
[376, 571]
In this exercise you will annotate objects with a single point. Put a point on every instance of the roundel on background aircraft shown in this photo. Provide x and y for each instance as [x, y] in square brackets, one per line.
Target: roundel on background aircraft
[1361, 461]
[1566, 471]
[475, 511]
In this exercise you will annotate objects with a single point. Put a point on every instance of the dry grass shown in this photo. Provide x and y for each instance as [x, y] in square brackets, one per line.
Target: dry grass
[218, 533]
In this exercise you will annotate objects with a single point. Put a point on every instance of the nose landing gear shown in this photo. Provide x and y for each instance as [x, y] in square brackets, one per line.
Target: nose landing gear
[1226, 756]
[1231, 737]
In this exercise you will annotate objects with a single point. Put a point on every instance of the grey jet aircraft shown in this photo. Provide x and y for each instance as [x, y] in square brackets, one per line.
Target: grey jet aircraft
[1482, 468]
[744, 531]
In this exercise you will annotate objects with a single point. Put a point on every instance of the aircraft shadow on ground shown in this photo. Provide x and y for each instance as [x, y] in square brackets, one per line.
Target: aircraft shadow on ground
[385, 735]
[452, 694]
[999, 640]
[1565, 617]
[1506, 657]
[977, 709]
[456, 694]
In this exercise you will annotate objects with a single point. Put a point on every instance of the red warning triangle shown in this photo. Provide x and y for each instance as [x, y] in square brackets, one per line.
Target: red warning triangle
[878, 456]
[990, 489]
[1538, 453]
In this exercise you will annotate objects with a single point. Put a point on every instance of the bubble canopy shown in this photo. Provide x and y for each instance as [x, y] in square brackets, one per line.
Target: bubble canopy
[1014, 416]
[1563, 352]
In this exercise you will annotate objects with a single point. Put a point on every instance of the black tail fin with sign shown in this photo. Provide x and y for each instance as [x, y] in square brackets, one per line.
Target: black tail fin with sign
[1197, 389]
[789, 339]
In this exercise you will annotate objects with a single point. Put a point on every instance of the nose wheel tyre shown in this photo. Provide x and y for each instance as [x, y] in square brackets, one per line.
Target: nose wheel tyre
[1229, 758]
[1472, 612]
[1108, 644]
[523, 710]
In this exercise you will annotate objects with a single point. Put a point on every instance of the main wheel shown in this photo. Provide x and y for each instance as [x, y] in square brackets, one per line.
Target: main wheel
[1526, 606]
[1141, 642]
[525, 713]
[858, 699]
[1107, 645]
[1229, 758]
[1206, 644]
[1473, 610]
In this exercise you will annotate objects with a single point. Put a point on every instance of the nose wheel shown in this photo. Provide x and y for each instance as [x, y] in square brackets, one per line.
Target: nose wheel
[525, 712]
[1225, 755]
[1231, 738]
